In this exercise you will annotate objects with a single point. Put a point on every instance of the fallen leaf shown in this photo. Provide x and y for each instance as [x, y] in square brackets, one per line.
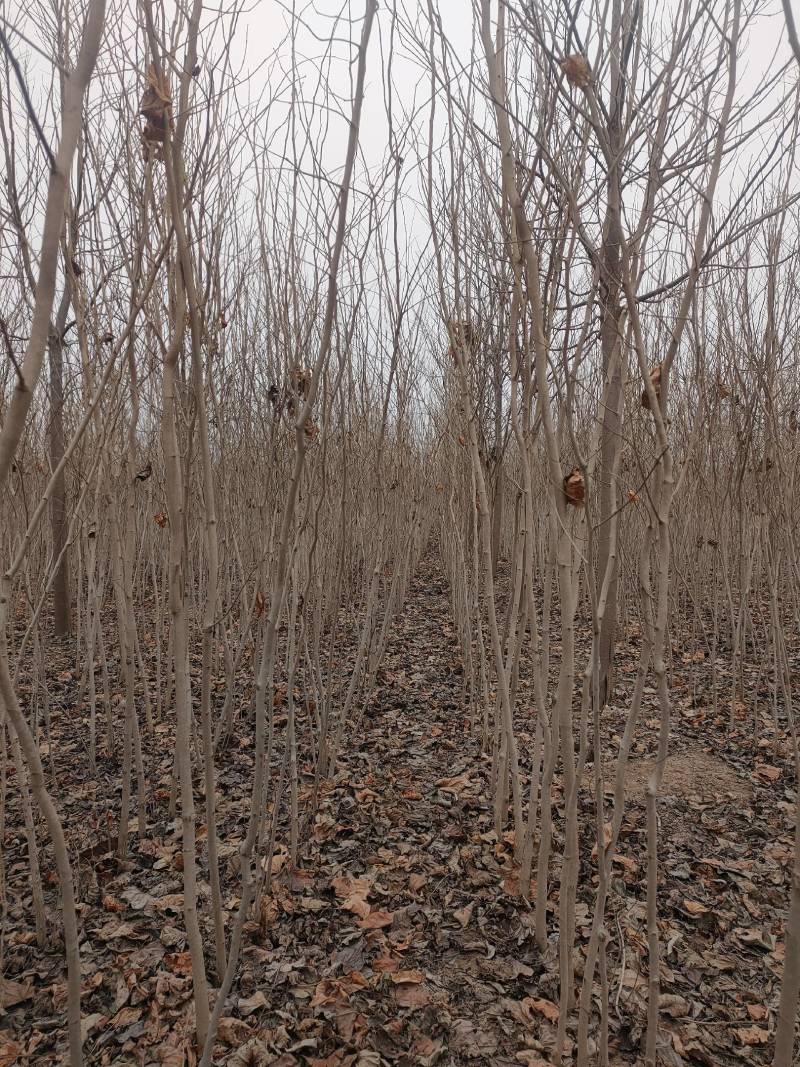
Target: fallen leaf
[752, 1035]
[14, 992]
[410, 977]
[358, 905]
[247, 1005]
[385, 964]
[89, 1023]
[768, 773]
[544, 1007]
[232, 1031]
[693, 907]
[137, 899]
[124, 1017]
[179, 962]
[463, 915]
[412, 996]
[114, 930]
[376, 920]
[454, 785]
[757, 1011]
[10, 1052]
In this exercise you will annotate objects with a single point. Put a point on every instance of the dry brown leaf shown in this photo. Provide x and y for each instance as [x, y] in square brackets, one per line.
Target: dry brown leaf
[114, 930]
[386, 964]
[410, 977]
[752, 1035]
[412, 996]
[233, 1031]
[607, 835]
[179, 962]
[426, 1050]
[171, 902]
[655, 379]
[358, 905]
[577, 70]
[125, 1017]
[544, 1007]
[14, 992]
[247, 1005]
[454, 785]
[767, 773]
[574, 488]
[463, 915]
[352, 981]
[377, 920]
[10, 1052]
[694, 907]
[674, 1005]
[90, 1022]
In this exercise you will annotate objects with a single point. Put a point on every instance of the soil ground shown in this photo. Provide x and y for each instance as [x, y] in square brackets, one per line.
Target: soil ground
[400, 938]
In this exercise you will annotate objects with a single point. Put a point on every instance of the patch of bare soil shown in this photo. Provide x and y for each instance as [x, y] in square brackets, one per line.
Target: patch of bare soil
[688, 774]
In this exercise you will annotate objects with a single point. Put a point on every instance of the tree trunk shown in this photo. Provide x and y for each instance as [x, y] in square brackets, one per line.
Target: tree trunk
[62, 614]
[611, 434]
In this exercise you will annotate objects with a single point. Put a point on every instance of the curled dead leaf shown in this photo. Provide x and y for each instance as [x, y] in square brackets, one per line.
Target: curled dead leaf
[752, 1035]
[156, 108]
[694, 907]
[542, 1006]
[577, 70]
[575, 488]
[655, 381]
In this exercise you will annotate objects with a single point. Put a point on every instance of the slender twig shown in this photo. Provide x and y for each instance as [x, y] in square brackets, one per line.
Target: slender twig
[28, 102]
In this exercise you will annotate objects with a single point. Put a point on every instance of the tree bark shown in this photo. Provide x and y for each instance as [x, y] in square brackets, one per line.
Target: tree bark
[611, 433]
[62, 613]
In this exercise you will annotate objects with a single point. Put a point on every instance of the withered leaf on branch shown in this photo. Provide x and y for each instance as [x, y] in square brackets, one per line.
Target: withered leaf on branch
[655, 379]
[156, 107]
[575, 488]
[577, 70]
[156, 102]
[300, 379]
[463, 332]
